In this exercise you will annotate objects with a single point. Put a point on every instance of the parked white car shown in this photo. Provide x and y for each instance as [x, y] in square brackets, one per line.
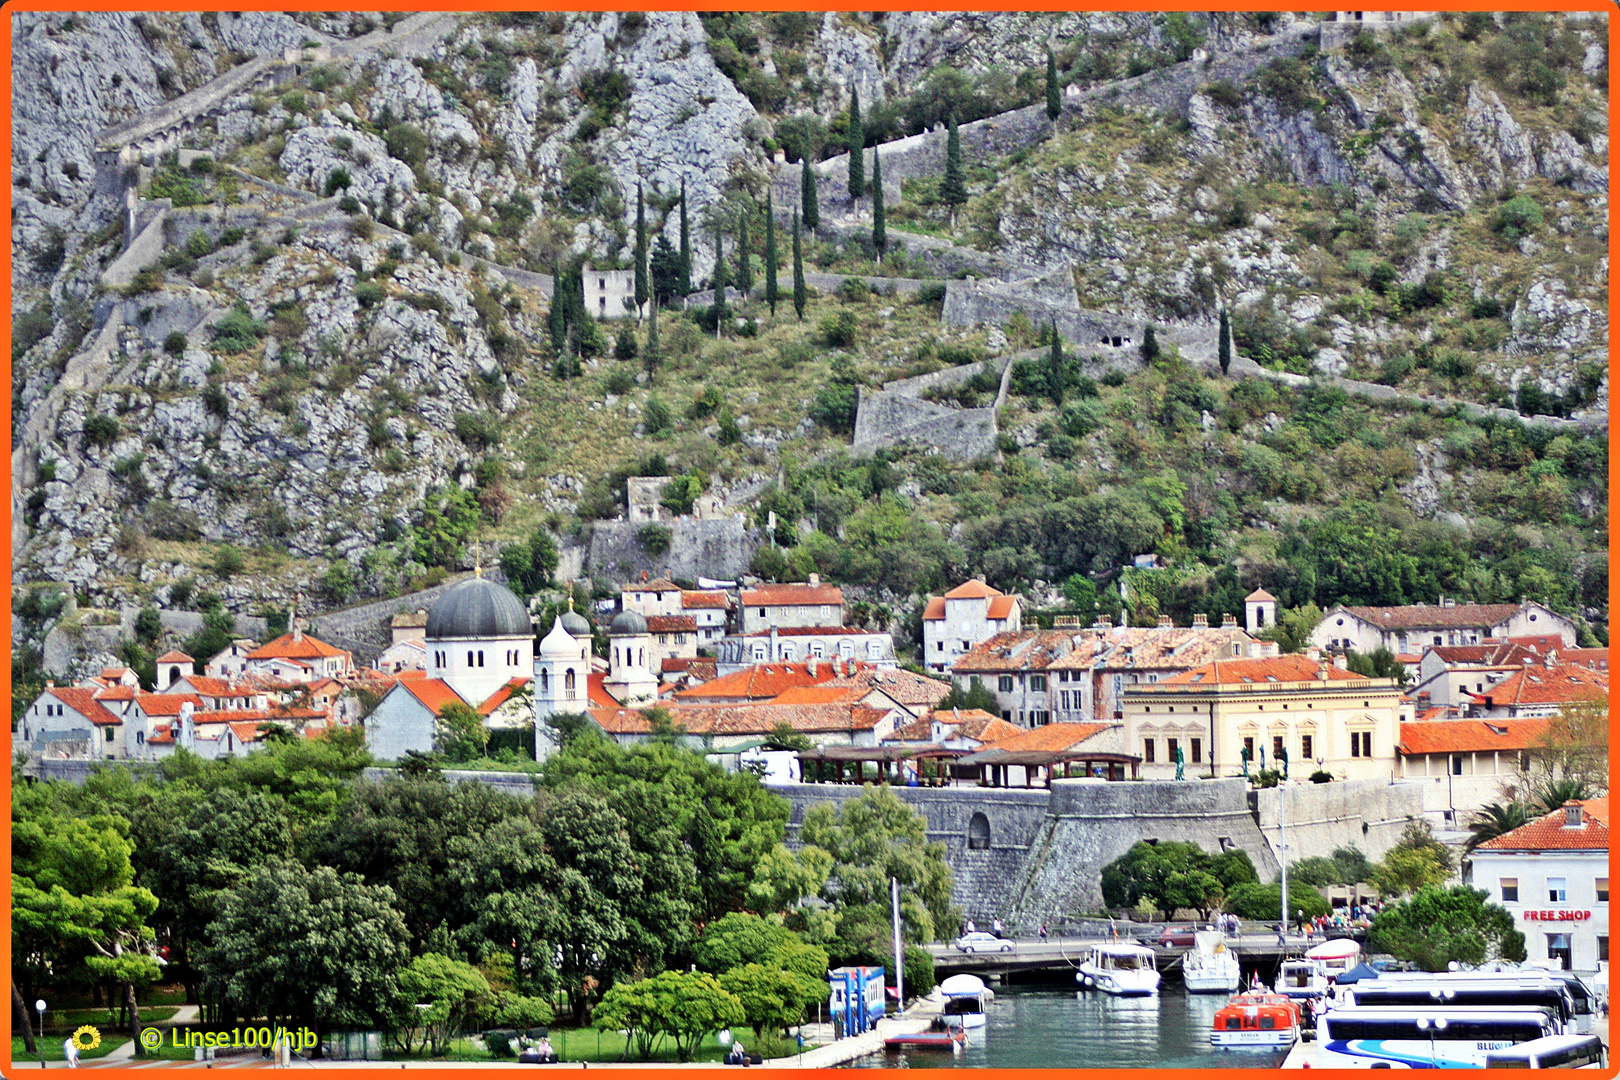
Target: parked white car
[979, 941]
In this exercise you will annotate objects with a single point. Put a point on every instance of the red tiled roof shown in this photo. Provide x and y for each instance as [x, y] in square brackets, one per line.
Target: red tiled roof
[434, 693]
[820, 695]
[969, 724]
[935, 609]
[165, 704]
[1549, 833]
[501, 696]
[116, 693]
[1423, 616]
[1538, 642]
[671, 624]
[972, 590]
[1490, 654]
[906, 687]
[84, 703]
[747, 719]
[1439, 712]
[114, 673]
[656, 585]
[285, 648]
[694, 600]
[1545, 686]
[792, 595]
[596, 691]
[1001, 607]
[211, 687]
[1290, 668]
[1049, 737]
[175, 656]
[1596, 659]
[1466, 736]
[1260, 595]
[759, 682]
[1023, 650]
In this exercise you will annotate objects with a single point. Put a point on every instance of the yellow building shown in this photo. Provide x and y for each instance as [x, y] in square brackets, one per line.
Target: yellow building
[1321, 716]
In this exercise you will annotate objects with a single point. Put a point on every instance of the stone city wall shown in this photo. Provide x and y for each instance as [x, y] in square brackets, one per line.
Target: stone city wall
[721, 548]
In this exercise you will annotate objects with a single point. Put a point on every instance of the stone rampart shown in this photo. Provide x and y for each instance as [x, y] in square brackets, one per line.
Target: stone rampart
[143, 251]
[917, 385]
[887, 419]
[721, 548]
[1371, 814]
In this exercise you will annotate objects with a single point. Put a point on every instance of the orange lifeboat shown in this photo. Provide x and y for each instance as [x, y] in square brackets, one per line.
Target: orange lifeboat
[1258, 1018]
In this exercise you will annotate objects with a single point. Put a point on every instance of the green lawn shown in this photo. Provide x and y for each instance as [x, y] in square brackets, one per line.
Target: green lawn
[53, 1048]
[588, 1044]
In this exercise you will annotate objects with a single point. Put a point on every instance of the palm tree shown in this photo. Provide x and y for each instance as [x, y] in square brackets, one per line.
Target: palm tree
[1496, 820]
[1553, 792]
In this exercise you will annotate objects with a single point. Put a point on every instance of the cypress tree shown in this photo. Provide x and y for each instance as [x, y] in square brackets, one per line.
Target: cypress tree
[642, 291]
[880, 223]
[1150, 345]
[557, 320]
[953, 189]
[771, 294]
[654, 352]
[686, 247]
[1224, 349]
[719, 282]
[745, 268]
[1055, 376]
[856, 143]
[807, 193]
[1054, 98]
[799, 295]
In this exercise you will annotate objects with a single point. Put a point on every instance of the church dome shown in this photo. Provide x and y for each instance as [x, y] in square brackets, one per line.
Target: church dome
[479, 608]
[558, 645]
[574, 622]
[627, 622]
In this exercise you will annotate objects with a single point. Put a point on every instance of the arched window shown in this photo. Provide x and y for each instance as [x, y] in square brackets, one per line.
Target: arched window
[978, 832]
[759, 652]
[174, 674]
[545, 680]
[568, 679]
[641, 657]
[469, 658]
[846, 649]
[480, 657]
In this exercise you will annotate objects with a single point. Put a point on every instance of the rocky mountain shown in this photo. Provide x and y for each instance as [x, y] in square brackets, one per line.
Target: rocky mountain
[283, 282]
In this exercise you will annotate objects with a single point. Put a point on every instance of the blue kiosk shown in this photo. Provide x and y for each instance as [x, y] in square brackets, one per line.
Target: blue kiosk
[856, 999]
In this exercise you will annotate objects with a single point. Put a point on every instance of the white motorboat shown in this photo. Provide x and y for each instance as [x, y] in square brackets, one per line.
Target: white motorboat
[1301, 978]
[1210, 966]
[965, 999]
[1336, 956]
[1118, 968]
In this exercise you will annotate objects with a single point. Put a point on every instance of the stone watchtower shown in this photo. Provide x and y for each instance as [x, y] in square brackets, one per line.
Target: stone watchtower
[1259, 611]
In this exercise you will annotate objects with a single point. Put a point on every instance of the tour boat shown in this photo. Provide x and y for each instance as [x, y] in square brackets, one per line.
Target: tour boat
[1118, 968]
[1210, 965]
[1301, 978]
[1336, 956]
[965, 998]
[1258, 1018]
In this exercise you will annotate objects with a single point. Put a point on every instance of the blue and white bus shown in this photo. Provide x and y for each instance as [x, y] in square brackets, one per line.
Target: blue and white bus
[1579, 992]
[1394, 1037]
[1549, 994]
[1554, 1052]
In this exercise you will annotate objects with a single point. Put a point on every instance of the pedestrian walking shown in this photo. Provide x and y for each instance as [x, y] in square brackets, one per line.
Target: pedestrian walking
[70, 1052]
[971, 928]
[1043, 933]
[995, 926]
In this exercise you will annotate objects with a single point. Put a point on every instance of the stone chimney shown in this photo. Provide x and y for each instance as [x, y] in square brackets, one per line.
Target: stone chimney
[1313, 653]
[813, 666]
[772, 654]
[815, 579]
[1165, 622]
[1200, 621]
[1103, 622]
[1229, 621]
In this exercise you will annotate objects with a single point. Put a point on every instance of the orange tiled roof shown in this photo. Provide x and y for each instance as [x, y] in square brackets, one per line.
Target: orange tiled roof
[212, 687]
[1049, 737]
[758, 682]
[1290, 668]
[935, 609]
[972, 590]
[113, 673]
[434, 693]
[656, 585]
[165, 704]
[1546, 686]
[1466, 736]
[694, 600]
[671, 624]
[161, 733]
[116, 693]
[596, 691]
[1001, 607]
[820, 695]
[906, 687]
[1260, 595]
[792, 595]
[1549, 833]
[1022, 650]
[1490, 654]
[747, 719]
[175, 656]
[501, 696]
[1596, 659]
[84, 703]
[285, 648]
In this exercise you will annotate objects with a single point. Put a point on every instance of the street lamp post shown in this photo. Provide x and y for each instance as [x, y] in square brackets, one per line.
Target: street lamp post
[1433, 1027]
[39, 1007]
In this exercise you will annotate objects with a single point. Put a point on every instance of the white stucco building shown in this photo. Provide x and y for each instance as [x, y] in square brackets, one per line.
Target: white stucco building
[1553, 875]
[1414, 627]
[970, 613]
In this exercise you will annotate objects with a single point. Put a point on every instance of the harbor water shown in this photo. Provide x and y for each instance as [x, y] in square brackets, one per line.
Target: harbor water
[1050, 1027]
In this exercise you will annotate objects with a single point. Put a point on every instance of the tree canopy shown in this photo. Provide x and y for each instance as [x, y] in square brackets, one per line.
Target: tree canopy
[1436, 926]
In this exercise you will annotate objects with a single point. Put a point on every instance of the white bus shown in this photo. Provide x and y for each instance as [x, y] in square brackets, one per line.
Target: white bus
[1554, 1052]
[1585, 1002]
[1548, 994]
[1391, 1037]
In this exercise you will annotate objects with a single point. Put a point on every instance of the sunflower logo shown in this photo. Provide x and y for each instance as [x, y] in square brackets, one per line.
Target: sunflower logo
[86, 1038]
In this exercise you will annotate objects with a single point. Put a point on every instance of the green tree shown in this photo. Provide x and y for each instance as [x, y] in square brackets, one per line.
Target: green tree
[1293, 628]
[771, 292]
[807, 195]
[1081, 593]
[875, 838]
[1416, 862]
[633, 1008]
[720, 282]
[745, 266]
[1264, 902]
[1223, 349]
[738, 938]
[880, 220]
[529, 564]
[642, 290]
[1438, 926]
[771, 997]
[855, 144]
[1150, 344]
[1056, 375]
[664, 266]
[783, 877]
[976, 696]
[800, 295]
[301, 946]
[694, 1004]
[686, 247]
[1378, 664]
[462, 734]
[1496, 820]
[1054, 96]
[953, 188]
[455, 991]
